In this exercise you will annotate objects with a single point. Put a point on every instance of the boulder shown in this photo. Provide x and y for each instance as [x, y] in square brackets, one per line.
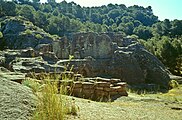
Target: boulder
[44, 48]
[17, 102]
[108, 55]
[50, 57]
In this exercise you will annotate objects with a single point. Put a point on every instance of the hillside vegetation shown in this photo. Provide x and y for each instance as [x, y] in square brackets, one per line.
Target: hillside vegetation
[162, 38]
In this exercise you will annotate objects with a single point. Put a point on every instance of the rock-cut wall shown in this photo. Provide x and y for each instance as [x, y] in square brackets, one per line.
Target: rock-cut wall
[113, 56]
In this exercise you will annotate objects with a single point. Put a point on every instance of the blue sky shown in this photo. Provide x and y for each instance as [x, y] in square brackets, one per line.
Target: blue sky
[164, 9]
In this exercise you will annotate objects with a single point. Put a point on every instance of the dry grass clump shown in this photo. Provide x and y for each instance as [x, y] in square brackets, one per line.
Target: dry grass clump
[52, 102]
[35, 86]
[50, 105]
[174, 94]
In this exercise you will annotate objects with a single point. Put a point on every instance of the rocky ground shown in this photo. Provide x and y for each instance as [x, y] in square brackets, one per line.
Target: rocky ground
[133, 107]
[17, 103]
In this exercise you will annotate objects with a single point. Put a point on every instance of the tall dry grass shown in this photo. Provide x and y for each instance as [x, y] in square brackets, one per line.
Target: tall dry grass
[50, 105]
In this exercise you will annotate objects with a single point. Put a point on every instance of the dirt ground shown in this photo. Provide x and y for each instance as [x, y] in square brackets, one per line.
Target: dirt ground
[133, 107]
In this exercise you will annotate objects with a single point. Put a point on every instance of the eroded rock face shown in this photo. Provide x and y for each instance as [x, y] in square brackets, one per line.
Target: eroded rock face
[99, 89]
[110, 55]
[83, 45]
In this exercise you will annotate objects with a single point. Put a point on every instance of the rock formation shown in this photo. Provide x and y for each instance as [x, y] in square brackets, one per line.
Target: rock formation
[108, 55]
[20, 34]
[113, 56]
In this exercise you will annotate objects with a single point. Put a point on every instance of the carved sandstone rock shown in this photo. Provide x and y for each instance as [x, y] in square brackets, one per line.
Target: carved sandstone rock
[111, 56]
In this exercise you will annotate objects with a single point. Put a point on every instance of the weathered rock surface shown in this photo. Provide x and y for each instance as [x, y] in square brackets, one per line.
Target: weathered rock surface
[110, 55]
[28, 60]
[17, 102]
[99, 89]
[12, 76]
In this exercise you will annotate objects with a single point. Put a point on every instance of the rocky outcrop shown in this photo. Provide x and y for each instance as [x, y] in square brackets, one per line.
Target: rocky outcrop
[19, 33]
[177, 78]
[112, 56]
[83, 45]
[29, 60]
[17, 102]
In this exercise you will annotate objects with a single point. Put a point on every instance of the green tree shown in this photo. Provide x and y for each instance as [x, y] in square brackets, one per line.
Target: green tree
[128, 29]
[28, 12]
[143, 32]
[114, 13]
[47, 8]
[176, 28]
[36, 1]
[7, 8]
[166, 27]
[1, 35]
[51, 1]
[40, 19]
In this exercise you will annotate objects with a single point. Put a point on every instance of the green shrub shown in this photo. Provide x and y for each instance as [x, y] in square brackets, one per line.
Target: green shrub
[173, 84]
[28, 32]
[38, 36]
[2, 42]
[1, 35]
[50, 104]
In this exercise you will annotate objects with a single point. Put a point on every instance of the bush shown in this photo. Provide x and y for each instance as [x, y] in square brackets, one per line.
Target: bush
[28, 32]
[173, 84]
[50, 104]
[38, 36]
[2, 42]
[1, 35]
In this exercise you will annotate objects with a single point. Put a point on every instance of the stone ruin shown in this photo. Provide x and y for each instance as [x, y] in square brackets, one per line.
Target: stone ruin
[18, 65]
[98, 89]
[111, 55]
